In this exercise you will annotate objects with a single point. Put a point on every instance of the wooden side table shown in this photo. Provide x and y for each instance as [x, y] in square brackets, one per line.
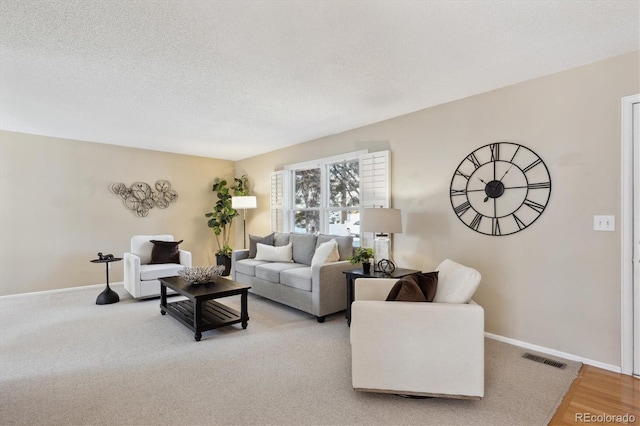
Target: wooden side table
[353, 274]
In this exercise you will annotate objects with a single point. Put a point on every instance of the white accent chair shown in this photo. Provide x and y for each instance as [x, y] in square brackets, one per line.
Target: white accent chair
[419, 348]
[141, 278]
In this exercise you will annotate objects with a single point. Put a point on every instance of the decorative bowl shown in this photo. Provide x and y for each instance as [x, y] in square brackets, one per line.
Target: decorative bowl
[201, 274]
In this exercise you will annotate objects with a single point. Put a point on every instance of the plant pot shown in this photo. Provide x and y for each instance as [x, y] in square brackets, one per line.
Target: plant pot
[226, 261]
[366, 268]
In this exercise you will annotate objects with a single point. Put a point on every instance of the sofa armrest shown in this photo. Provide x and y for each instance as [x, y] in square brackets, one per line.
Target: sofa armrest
[235, 256]
[239, 255]
[131, 272]
[443, 343]
[373, 288]
[328, 287]
[185, 258]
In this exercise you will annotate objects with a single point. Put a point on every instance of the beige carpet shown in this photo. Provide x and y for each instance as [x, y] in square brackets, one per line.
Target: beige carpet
[65, 360]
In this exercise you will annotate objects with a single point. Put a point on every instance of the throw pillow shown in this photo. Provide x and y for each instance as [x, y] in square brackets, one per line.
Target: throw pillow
[165, 252]
[254, 239]
[304, 246]
[457, 283]
[345, 244]
[415, 288]
[326, 252]
[274, 254]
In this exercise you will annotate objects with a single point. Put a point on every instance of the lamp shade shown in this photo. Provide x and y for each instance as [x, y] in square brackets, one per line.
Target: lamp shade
[244, 202]
[381, 220]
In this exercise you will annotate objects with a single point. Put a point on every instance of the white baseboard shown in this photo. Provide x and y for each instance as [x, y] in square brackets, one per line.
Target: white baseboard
[60, 290]
[548, 351]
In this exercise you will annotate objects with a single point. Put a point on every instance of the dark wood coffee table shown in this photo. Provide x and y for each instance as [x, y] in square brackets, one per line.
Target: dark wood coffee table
[200, 312]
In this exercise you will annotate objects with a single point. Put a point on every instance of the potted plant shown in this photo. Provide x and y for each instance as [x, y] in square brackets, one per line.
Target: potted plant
[221, 218]
[362, 255]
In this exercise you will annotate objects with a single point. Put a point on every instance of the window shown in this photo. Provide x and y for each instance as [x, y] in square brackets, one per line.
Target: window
[326, 195]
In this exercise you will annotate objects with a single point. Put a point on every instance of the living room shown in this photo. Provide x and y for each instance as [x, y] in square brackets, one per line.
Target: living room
[555, 286]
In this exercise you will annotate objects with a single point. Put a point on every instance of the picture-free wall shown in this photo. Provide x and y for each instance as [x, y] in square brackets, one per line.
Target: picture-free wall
[555, 284]
[57, 212]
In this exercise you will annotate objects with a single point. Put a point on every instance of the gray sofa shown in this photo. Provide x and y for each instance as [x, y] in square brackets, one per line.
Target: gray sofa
[319, 290]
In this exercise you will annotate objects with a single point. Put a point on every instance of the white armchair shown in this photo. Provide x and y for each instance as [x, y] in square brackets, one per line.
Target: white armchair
[418, 348]
[141, 278]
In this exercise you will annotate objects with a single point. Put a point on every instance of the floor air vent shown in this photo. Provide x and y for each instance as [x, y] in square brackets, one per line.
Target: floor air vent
[544, 360]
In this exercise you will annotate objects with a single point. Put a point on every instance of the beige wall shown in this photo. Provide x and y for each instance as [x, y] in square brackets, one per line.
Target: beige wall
[555, 284]
[57, 211]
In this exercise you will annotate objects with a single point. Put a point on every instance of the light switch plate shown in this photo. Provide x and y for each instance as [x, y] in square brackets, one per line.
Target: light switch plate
[604, 223]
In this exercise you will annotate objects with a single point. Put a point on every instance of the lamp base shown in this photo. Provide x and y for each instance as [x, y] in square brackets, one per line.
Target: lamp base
[381, 250]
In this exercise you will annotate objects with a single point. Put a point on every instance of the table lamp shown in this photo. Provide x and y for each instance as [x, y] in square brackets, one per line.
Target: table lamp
[382, 222]
[244, 202]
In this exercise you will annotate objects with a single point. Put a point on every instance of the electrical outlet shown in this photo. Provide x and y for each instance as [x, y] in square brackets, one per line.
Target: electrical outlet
[604, 223]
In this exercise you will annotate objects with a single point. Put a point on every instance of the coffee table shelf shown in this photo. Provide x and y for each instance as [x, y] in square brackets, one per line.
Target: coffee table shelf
[214, 314]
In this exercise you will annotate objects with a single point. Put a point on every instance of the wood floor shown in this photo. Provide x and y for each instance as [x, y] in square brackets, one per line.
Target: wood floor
[597, 393]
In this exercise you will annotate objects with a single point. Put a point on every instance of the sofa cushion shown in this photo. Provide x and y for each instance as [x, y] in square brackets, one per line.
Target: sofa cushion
[155, 271]
[304, 246]
[456, 283]
[274, 254]
[325, 253]
[165, 252]
[415, 288]
[270, 271]
[345, 244]
[280, 239]
[254, 239]
[299, 278]
[248, 266]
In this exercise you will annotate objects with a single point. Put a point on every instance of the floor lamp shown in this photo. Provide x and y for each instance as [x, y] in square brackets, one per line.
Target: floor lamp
[382, 222]
[244, 202]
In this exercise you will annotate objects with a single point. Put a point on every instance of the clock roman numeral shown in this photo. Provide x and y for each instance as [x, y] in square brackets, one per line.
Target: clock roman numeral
[458, 192]
[474, 160]
[519, 222]
[462, 208]
[532, 165]
[459, 173]
[514, 154]
[540, 185]
[533, 205]
[495, 151]
[475, 223]
[495, 226]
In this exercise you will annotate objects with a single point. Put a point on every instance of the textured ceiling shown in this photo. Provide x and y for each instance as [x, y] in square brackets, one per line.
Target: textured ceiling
[231, 80]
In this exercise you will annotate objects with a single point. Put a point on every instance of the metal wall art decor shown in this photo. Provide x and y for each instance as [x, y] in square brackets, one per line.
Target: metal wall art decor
[140, 198]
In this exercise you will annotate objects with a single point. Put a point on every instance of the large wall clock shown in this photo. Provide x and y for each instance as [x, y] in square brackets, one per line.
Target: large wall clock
[500, 188]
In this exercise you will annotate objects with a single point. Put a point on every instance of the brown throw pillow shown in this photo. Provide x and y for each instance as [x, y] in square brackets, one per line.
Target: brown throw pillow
[165, 252]
[415, 288]
[254, 239]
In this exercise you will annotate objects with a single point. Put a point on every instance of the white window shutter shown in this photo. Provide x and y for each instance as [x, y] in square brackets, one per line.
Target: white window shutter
[276, 201]
[375, 185]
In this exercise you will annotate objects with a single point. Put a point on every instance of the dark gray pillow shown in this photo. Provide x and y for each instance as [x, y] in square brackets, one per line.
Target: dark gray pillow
[415, 288]
[345, 244]
[255, 239]
[304, 246]
[280, 239]
[165, 252]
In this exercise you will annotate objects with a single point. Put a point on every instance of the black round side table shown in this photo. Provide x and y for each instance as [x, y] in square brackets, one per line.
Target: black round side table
[108, 296]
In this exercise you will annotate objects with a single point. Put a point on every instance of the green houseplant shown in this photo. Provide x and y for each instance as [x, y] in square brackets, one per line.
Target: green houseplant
[362, 255]
[221, 218]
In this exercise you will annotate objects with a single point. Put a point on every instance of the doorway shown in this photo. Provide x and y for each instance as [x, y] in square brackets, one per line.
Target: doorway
[631, 235]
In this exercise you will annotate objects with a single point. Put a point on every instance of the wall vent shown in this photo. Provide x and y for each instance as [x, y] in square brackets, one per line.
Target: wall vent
[544, 360]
